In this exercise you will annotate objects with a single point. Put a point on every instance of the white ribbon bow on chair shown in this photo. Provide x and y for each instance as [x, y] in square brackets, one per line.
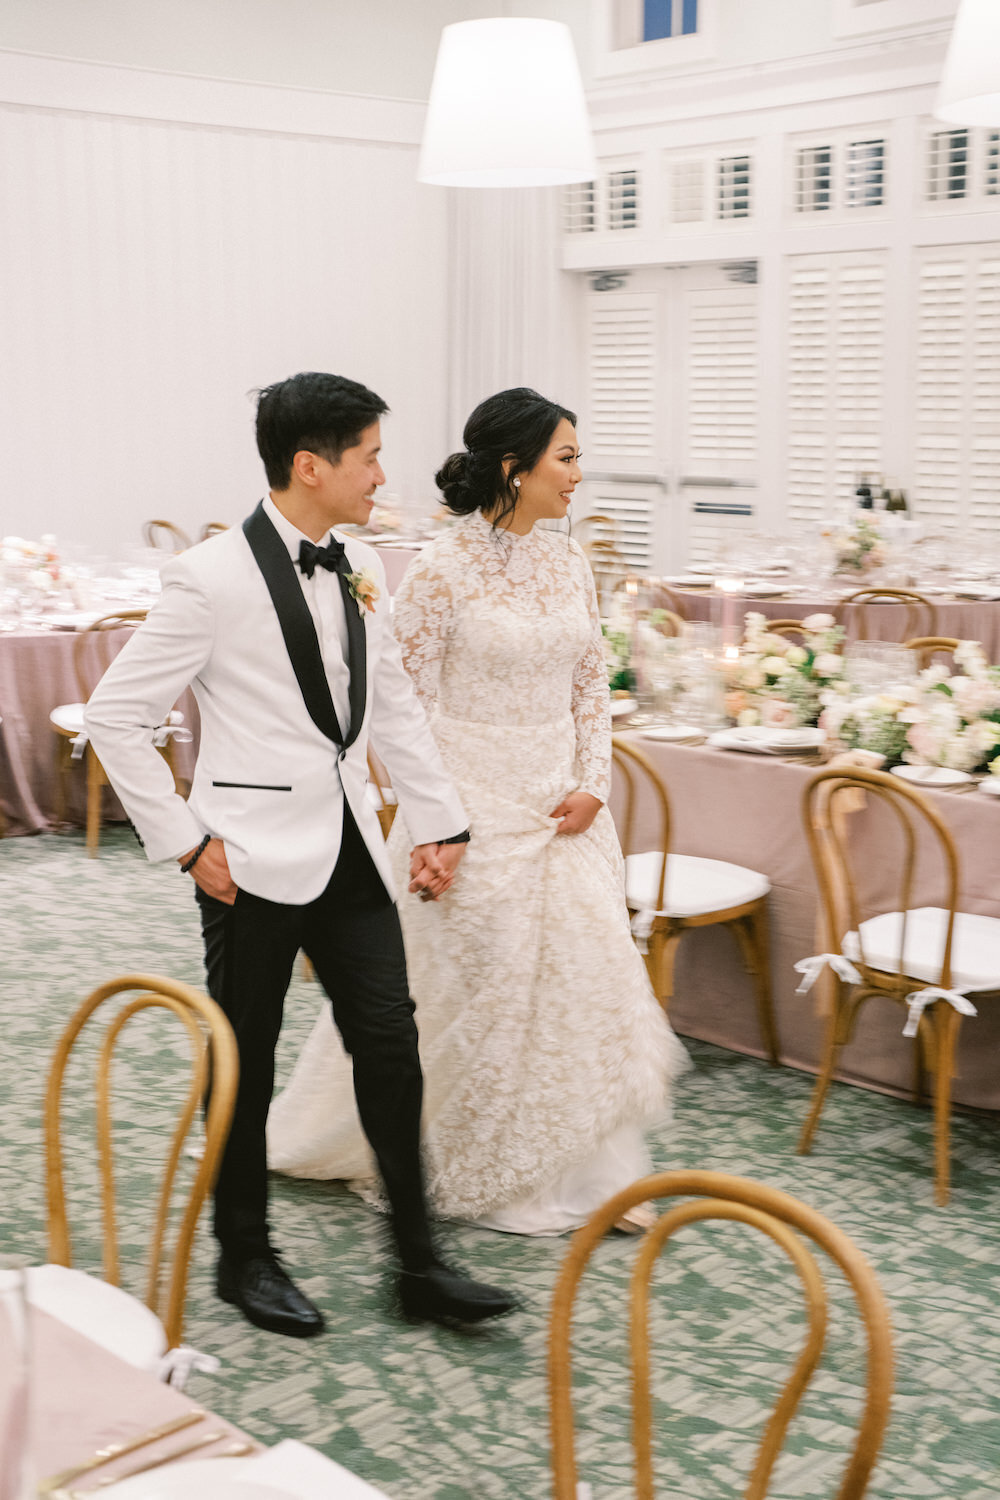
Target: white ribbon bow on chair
[642, 926]
[172, 728]
[812, 968]
[919, 1000]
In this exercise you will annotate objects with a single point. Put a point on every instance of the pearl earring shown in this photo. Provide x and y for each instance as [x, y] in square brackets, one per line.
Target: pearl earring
[517, 484]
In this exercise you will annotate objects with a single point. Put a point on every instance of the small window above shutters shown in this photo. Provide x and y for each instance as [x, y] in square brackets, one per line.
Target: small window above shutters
[687, 192]
[579, 208]
[623, 199]
[864, 174]
[947, 165]
[733, 194]
[813, 179]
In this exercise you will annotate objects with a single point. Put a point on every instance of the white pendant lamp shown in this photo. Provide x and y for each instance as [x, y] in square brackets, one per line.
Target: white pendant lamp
[970, 84]
[506, 108]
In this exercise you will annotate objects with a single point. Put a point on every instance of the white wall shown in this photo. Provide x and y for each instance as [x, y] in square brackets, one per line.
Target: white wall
[175, 234]
[378, 47]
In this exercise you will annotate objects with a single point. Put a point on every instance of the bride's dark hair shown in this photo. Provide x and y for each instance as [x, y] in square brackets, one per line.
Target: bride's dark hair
[517, 424]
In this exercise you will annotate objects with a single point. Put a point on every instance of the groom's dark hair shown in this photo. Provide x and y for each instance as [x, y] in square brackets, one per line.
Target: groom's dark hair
[315, 412]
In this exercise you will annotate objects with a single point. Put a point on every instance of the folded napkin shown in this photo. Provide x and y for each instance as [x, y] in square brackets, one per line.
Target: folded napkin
[306, 1474]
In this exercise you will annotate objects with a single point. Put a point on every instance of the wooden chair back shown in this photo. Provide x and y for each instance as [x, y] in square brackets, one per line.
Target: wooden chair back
[840, 865]
[379, 778]
[165, 536]
[921, 615]
[214, 1061]
[212, 528]
[929, 646]
[639, 781]
[95, 648]
[786, 627]
[784, 1219]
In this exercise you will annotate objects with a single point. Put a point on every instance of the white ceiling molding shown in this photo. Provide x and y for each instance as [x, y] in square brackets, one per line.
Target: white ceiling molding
[137, 93]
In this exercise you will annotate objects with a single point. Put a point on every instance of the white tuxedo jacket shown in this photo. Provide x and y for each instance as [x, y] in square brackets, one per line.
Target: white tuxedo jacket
[268, 780]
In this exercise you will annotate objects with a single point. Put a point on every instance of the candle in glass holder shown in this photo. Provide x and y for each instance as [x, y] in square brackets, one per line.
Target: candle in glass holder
[729, 624]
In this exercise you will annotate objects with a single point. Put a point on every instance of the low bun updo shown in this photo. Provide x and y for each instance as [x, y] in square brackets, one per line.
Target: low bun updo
[518, 425]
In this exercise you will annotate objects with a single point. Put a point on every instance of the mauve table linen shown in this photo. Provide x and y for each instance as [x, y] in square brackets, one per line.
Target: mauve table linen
[966, 620]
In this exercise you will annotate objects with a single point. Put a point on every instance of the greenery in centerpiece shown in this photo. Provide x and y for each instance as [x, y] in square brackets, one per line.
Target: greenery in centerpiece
[780, 683]
[943, 719]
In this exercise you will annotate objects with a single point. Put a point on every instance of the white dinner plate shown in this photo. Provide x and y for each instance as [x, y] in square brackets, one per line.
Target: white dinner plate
[931, 775]
[622, 707]
[991, 786]
[761, 740]
[673, 732]
[686, 580]
[972, 590]
[202, 1479]
[759, 589]
[705, 570]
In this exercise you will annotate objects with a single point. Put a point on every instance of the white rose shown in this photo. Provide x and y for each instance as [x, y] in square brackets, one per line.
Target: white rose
[748, 718]
[753, 678]
[828, 664]
[797, 655]
[776, 666]
[818, 623]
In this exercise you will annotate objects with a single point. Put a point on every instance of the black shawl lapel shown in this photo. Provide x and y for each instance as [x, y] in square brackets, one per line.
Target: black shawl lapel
[297, 626]
[357, 659]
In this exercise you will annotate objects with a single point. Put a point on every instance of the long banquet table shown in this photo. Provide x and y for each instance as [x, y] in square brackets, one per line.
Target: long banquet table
[747, 809]
[964, 619]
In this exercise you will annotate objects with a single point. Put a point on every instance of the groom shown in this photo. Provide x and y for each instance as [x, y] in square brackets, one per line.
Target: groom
[282, 630]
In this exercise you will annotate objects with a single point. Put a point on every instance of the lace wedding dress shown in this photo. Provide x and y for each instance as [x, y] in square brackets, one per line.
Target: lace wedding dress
[544, 1050]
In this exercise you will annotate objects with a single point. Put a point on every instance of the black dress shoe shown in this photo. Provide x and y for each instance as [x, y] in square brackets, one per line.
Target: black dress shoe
[266, 1295]
[440, 1295]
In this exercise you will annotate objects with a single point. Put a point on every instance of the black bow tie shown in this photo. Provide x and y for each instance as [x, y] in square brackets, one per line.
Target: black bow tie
[330, 557]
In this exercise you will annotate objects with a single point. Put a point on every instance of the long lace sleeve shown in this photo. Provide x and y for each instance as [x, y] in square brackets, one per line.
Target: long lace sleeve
[421, 615]
[591, 698]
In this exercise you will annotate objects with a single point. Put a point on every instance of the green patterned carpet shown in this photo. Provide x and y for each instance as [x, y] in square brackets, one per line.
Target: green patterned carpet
[427, 1414]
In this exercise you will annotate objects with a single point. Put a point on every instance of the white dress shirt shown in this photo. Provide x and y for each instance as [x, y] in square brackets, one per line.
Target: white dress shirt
[326, 605]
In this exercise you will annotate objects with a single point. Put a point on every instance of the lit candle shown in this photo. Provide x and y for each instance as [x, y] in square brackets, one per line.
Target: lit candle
[730, 589]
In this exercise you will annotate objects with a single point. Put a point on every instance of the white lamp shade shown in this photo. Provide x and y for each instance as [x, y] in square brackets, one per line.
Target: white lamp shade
[506, 108]
[970, 84]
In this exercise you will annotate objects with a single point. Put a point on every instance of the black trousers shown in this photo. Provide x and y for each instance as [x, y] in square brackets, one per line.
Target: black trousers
[352, 936]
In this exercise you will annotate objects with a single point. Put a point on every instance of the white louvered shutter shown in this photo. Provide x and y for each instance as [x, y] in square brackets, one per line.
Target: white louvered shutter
[835, 372]
[579, 214]
[687, 192]
[957, 398]
[813, 179]
[721, 382]
[623, 199]
[621, 433]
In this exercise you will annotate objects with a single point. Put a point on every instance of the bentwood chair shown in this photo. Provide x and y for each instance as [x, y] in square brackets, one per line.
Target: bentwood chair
[669, 894]
[926, 959]
[212, 528]
[381, 792]
[93, 651]
[929, 646]
[139, 1332]
[921, 615]
[165, 536]
[788, 1223]
[786, 627]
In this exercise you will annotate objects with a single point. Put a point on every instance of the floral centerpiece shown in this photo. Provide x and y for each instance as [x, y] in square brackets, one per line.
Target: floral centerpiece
[783, 684]
[617, 658]
[858, 548]
[943, 719]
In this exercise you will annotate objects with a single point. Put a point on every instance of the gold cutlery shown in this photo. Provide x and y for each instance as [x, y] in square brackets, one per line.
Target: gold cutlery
[116, 1450]
[235, 1450]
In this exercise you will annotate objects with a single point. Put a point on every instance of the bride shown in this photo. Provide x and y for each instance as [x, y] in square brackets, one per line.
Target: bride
[544, 1050]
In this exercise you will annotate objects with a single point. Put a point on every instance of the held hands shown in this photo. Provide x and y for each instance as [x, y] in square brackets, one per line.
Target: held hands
[211, 872]
[577, 812]
[432, 869]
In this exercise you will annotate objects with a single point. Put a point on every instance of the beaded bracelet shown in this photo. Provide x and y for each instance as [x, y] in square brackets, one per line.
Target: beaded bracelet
[190, 864]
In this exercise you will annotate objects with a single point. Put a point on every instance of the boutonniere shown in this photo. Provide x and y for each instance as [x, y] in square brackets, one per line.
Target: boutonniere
[364, 589]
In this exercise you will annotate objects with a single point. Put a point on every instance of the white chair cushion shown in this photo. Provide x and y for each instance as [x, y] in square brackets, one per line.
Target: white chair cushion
[975, 948]
[694, 887]
[104, 1313]
[68, 717]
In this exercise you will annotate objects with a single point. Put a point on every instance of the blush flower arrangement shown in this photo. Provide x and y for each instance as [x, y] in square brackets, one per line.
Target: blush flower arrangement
[858, 549]
[780, 682]
[945, 718]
